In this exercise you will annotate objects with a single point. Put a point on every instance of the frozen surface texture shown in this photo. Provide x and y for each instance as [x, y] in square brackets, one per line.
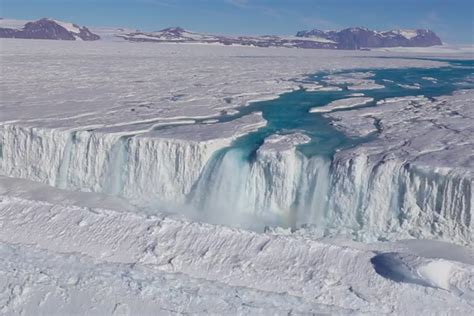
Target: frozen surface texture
[123, 260]
[114, 156]
[132, 86]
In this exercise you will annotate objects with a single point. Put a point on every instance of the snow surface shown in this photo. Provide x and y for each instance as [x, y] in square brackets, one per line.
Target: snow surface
[312, 39]
[431, 132]
[58, 255]
[112, 34]
[153, 86]
[88, 131]
[448, 50]
[69, 26]
[284, 142]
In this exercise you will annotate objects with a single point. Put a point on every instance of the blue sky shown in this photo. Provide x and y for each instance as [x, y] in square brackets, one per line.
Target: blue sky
[451, 19]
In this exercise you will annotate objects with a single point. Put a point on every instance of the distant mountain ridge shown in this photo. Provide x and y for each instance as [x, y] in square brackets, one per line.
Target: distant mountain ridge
[180, 35]
[350, 38]
[358, 37]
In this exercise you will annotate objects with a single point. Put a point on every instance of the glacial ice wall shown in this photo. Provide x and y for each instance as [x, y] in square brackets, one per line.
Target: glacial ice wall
[358, 195]
[388, 198]
[131, 167]
[364, 196]
[137, 167]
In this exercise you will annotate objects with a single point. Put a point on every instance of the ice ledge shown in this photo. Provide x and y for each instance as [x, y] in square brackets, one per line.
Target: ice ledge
[429, 134]
[283, 142]
[166, 163]
[343, 104]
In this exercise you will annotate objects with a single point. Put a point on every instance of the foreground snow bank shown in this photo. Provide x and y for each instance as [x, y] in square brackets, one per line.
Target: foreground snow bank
[78, 249]
[35, 281]
[436, 273]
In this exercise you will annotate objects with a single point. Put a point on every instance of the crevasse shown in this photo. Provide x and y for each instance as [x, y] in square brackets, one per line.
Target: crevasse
[365, 197]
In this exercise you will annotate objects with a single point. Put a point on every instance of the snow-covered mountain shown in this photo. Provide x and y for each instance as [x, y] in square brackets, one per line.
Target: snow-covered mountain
[180, 35]
[357, 37]
[351, 38]
[45, 29]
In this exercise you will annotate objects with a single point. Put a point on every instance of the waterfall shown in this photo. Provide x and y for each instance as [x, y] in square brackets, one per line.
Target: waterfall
[117, 167]
[62, 178]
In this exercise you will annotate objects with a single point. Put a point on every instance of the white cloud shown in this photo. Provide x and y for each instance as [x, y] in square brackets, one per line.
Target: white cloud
[248, 5]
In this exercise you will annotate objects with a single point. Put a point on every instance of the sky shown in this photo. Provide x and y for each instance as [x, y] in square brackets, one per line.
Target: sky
[452, 20]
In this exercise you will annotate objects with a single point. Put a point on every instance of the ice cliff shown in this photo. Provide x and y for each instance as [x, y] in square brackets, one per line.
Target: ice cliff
[380, 190]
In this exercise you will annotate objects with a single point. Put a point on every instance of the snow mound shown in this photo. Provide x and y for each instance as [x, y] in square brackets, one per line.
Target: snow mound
[284, 142]
[124, 258]
[455, 277]
[408, 34]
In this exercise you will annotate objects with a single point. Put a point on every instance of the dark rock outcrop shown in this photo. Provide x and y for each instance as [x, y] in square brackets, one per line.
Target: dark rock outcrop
[351, 38]
[180, 35]
[358, 38]
[49, 29]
